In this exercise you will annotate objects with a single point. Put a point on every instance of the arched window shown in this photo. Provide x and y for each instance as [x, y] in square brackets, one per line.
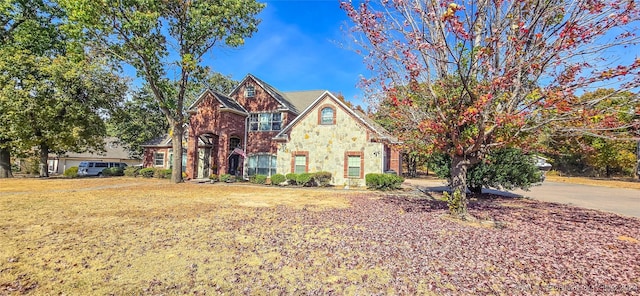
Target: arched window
[327, 115]
[234, 142]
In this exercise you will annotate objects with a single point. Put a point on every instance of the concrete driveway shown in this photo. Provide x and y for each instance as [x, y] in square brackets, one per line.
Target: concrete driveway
[621, 201]
[616, 200]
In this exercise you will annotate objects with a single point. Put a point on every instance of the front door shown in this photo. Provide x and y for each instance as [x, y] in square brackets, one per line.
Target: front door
[234, 162]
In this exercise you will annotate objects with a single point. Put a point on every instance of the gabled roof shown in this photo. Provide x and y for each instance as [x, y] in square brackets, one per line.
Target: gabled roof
[302, 99]
[381, 133]
[293, 101]
[112, 149]
[223, 99]
[160, 141]
[378, 128]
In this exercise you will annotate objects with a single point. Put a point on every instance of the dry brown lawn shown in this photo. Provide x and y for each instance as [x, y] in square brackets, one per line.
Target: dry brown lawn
[123, 236]
[126, 236]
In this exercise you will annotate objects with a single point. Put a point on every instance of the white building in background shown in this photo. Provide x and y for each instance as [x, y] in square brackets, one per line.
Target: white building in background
[113, 153]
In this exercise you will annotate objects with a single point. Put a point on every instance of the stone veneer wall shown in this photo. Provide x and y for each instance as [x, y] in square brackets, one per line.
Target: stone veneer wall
[327, 145]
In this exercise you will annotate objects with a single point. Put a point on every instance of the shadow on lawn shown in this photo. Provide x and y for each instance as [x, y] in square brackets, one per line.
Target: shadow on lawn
[505, 206]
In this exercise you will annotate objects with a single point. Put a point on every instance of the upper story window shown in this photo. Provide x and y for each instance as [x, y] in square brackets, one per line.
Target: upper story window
[327, 116]
[250, 91]
[265, 122]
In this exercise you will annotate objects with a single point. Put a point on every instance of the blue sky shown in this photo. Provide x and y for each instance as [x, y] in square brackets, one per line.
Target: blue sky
[297, 47]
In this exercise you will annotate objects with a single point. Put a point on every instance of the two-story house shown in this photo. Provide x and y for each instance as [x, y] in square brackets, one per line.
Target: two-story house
[257, 129]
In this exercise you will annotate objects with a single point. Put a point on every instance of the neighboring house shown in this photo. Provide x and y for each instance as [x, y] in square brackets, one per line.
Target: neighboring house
[114, 152]
[158, 153]
[256, 129]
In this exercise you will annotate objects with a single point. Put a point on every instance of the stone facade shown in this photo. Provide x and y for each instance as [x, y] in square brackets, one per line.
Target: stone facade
[327, 147]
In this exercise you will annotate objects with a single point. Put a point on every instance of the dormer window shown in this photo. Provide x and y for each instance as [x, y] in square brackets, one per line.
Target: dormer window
[250, 91]
[327, 116]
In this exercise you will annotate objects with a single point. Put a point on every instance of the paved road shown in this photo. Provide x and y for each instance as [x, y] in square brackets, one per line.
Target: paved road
[622, 201]
[616, 200]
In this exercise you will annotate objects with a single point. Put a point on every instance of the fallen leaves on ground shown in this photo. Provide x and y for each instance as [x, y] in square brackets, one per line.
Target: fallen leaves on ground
[157, 238]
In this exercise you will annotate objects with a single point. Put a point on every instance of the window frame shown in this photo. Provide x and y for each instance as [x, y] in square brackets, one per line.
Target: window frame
[294, 165]
[321, 118]
[250, 91]
[349, 154]
[265, 122]
[155, 159]
[270, 169]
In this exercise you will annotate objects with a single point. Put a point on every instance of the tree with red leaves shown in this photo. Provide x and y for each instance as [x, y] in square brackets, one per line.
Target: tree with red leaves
[488, 73]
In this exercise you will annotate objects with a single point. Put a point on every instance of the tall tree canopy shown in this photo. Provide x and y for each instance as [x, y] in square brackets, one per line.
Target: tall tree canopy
[52, 94]
[597, 156]
[165, 41]
[139, 120]
[26, 27]
[492, 72]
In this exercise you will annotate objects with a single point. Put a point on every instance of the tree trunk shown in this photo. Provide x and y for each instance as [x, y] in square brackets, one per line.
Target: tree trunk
[5, 163]
[44, 160]
[459, 167]
[412, 165]
[176, 140]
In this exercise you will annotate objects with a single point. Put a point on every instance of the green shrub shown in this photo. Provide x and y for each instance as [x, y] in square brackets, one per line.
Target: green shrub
[383, 181]
[213, 177]
[322, 179]
[225, 177]
[162, 173]
[506, 168]
[291, 178]
[277, 179]
[116, 171]
[71, 172]
[131, 171]
[147, 172]
[304, 179]
[258, 179]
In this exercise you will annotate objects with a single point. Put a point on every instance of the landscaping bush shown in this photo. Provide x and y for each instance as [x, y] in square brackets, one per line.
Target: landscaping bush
[304, 179]
[71, 172]
[225, 177]
[322, 179]
[383, 181]
[258, 179]
[291, 178]
[147, 172]
[116, 171]
[162, 173]
[277, 179]
[507, 168]
[131, 171]
[213, 177]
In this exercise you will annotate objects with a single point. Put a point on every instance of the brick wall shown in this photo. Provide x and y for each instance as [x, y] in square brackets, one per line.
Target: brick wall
[222, 125]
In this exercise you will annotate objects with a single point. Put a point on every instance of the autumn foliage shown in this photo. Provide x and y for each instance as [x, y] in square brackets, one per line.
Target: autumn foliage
[487, 74]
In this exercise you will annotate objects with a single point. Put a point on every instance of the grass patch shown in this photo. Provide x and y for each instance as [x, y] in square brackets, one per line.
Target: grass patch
[125, 236]
[137, 236]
